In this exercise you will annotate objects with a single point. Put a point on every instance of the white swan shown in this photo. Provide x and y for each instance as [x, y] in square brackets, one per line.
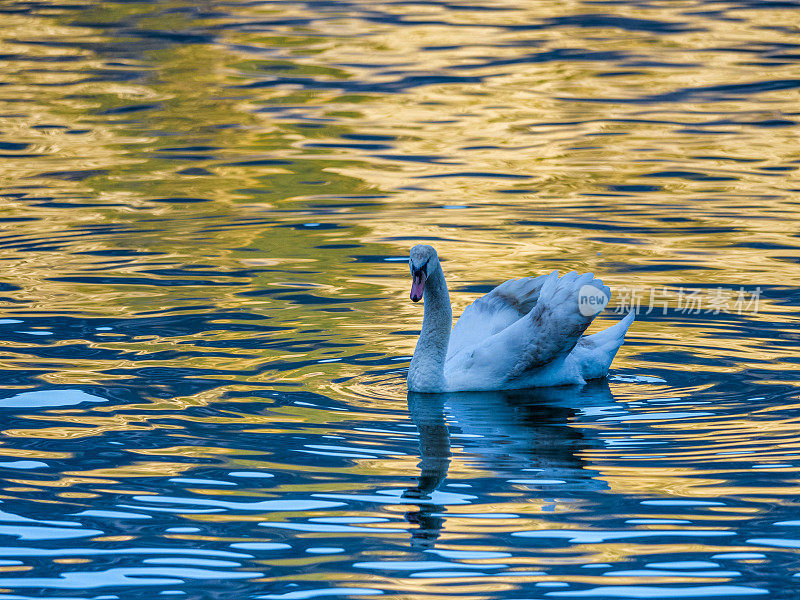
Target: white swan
[524, 333]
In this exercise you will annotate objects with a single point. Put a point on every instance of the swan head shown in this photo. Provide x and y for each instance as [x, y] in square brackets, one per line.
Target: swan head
[423, 262]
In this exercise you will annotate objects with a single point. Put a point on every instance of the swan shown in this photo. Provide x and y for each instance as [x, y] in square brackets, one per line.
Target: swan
[524, 333]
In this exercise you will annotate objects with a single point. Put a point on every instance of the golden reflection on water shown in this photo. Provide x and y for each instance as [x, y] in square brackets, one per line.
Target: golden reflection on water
[551, 145]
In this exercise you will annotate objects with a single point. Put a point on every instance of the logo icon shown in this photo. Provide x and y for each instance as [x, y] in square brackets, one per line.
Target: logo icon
[591, 300]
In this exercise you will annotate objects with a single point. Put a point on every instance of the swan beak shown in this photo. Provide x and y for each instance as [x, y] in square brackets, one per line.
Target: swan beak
[417, 285]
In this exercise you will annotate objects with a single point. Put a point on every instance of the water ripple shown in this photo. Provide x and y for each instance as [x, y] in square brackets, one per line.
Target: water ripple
[205, 333]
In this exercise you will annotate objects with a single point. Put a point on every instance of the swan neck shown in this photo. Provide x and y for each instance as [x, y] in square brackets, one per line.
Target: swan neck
[426, 373]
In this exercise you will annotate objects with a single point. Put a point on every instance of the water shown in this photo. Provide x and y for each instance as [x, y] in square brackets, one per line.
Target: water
[206, 209]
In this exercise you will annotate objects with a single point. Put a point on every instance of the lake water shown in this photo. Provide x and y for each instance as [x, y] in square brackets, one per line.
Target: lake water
[206, 211]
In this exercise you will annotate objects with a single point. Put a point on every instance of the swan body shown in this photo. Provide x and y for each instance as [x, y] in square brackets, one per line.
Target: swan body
[524, 333]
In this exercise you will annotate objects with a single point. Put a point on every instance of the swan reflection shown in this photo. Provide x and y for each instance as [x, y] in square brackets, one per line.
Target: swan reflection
[508, 432]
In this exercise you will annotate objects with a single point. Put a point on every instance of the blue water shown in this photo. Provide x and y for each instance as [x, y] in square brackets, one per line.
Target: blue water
[206, 210]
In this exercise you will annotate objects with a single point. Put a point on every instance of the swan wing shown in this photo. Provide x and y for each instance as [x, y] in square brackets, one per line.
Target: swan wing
[542, 337]
[551, 330]
[505, 304]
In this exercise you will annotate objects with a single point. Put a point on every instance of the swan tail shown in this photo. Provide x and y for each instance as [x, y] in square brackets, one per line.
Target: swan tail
[603, 347]
[614, 335]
